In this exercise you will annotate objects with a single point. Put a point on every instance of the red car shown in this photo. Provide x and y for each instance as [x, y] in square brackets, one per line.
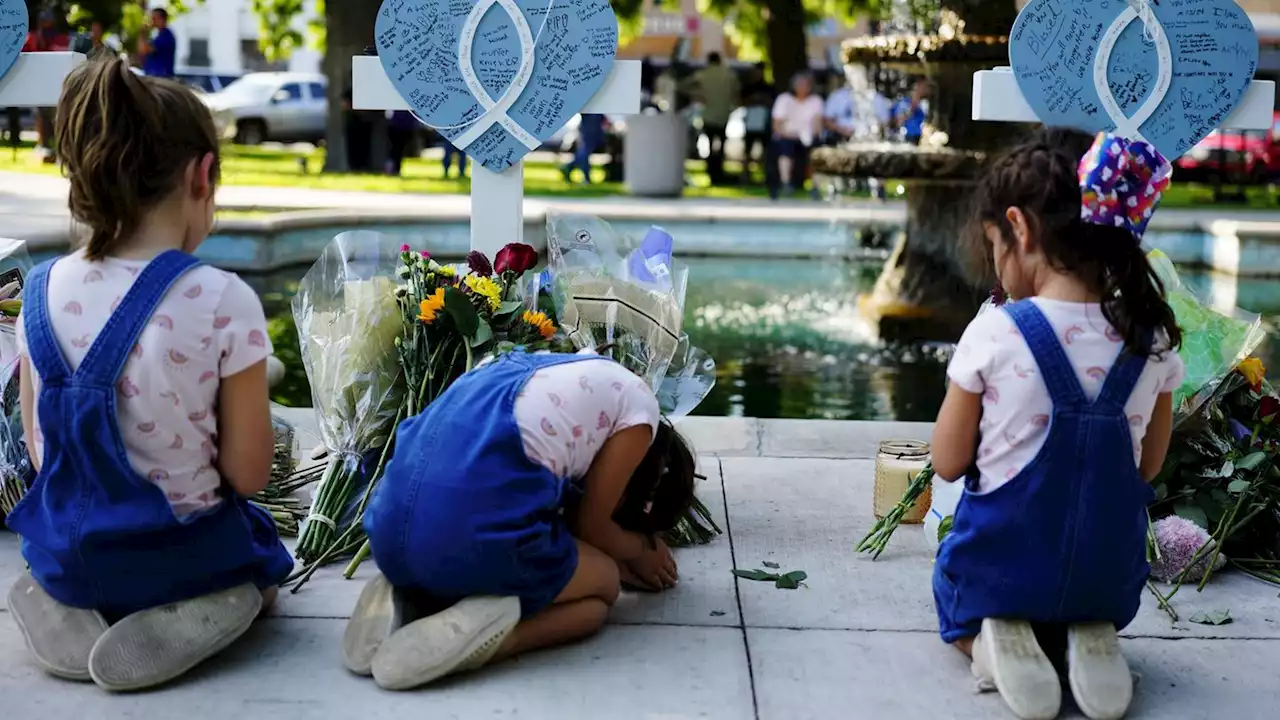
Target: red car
[1232, 157]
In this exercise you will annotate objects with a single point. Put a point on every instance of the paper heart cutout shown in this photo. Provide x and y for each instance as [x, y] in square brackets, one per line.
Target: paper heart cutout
[536, 63]
[1214, 52]
[13, 32]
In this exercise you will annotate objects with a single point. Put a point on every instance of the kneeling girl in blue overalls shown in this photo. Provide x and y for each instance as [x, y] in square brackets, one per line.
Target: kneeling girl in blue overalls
[519, 499]
[1058, 415]
[144, 401]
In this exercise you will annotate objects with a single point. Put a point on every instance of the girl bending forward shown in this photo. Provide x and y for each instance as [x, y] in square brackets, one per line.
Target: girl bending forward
[144, 399]
[523, 495]
[1058, 414]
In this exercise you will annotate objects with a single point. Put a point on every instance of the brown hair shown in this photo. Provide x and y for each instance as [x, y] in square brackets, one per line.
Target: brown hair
[1040, 177]
[125, 142]
[660, 491]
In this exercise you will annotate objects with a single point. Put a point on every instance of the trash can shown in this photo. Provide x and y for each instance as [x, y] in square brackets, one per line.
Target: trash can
[654, 151]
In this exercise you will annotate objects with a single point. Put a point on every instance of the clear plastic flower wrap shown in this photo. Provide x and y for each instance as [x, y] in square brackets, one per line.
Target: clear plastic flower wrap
[16, 472]
[15, 263]
[615, 290]
[1213, 344]
[348, 320]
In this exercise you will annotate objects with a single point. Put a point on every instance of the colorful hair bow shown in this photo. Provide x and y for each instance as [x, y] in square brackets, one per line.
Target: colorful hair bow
[1123, 181]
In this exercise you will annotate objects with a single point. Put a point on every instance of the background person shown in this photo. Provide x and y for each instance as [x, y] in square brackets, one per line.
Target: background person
[47, 36]
[797, 123]
[716, 86]
[910, 113]
[159, 46]
[757, 100]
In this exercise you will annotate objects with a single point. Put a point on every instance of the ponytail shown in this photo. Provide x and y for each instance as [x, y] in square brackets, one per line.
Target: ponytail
[125, 142]
[1133, 297]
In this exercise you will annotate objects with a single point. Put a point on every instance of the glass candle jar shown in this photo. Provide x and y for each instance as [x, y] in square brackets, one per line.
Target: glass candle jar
[897, 463]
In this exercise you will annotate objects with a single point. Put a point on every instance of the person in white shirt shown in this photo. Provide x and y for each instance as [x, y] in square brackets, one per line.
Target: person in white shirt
[797, 121]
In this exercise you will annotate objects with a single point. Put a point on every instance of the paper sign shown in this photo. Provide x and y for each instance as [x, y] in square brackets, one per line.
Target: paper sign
[13, 32]
[497, 77]
[1168, 73]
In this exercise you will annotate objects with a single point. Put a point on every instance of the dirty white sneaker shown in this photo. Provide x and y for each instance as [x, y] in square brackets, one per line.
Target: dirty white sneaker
[1098, 674]
[60, 636]
[462, 638]
[1022, 673]
[981, 673]
[154, 646]
[380, 611]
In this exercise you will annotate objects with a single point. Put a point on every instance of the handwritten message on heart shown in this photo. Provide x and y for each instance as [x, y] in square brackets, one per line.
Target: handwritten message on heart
[1167, 73]
[497, 77]
[13, 32]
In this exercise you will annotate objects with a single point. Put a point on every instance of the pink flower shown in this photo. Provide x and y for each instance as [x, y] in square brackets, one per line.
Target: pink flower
[404, 248]
[1178, 540]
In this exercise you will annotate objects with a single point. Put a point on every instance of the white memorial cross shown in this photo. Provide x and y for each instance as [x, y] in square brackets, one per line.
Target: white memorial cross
[35, 80]
[497, 199]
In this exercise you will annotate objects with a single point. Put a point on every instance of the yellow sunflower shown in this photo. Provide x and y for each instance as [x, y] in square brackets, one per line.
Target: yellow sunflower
[485, 288]
[433, 304]
[540, 322]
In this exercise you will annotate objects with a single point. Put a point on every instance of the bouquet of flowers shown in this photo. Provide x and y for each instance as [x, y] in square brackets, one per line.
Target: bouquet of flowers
[16, 472]
[434, 322]
[348, 319]
[625, 298]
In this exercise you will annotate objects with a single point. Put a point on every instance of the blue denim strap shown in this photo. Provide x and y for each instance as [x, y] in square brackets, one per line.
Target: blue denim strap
[42, 345]
[1056, 369]
[106, 358]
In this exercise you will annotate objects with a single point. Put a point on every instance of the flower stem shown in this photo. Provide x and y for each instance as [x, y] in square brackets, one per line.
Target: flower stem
[361, 554]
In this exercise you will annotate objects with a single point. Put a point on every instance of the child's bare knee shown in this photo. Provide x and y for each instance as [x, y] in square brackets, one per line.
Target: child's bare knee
[610, 584]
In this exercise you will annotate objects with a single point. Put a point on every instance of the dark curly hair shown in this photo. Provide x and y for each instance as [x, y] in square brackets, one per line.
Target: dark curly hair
[660, 491]
[1040, 177]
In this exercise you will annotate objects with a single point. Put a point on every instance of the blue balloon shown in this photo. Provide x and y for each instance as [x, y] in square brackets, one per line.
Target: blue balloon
[571, 46]
[1214, 50]
[13, 32]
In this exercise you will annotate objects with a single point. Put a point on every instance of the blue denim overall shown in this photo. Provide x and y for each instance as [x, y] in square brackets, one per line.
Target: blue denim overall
[461, 510]
[1065, 540]
[95, 533]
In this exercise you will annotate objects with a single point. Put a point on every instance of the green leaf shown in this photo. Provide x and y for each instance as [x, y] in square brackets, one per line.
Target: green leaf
[757, 575]
[945, 526]
[771, 565]
[1252, 460]
[460, 309]
[1192, 513]
[509, 306]
[1238, 486]
[791, 580]
[1162, 492]
[1213, 617]
[717, 613]
[484, 334]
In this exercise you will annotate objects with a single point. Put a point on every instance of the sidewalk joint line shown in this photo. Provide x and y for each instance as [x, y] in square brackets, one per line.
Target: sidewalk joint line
[737, 591]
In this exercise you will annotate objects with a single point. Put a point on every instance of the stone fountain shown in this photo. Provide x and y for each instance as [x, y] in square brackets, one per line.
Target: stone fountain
[930, 288]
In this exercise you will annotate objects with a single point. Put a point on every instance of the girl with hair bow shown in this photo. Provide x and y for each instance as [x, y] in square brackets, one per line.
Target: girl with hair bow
[1058, 415]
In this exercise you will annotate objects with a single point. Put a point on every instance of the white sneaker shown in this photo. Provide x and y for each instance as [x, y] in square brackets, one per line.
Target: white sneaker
[981, 673]
[1097, 671]
[60, 636]
[462, 638]
[379, 612]
[1021, 671]
[154, 646]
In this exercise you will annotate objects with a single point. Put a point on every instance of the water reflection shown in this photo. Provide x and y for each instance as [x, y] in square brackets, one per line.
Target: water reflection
[787, 338]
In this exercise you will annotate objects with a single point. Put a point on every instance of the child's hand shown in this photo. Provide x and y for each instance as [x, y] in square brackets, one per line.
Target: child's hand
[655, 569]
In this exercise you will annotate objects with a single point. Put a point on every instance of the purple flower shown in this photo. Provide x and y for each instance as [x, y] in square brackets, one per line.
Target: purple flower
[1178, 540]
[479, 264]
[1238, 430]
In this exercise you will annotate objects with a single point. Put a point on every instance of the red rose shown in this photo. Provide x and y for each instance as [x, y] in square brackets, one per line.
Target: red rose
[1268, 407]
[515, 258]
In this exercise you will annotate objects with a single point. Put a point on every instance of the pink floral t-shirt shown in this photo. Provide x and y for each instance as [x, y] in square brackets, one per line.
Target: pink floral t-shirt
[993, 360]
[209, 326]
[566, 412]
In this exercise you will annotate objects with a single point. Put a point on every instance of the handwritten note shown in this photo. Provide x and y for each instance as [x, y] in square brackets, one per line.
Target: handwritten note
[13, 32]
[1211, 59]
[496, 77]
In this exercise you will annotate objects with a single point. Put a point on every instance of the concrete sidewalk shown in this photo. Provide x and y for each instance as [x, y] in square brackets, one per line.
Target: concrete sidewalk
[859, 641]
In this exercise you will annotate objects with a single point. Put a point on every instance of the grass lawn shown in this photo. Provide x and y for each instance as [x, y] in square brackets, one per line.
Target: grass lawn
[285, 168]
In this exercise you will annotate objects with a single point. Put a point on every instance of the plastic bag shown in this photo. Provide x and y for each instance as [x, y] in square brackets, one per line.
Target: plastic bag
[348, 320]
[1212, 343]
[614, 290]
[16, 472]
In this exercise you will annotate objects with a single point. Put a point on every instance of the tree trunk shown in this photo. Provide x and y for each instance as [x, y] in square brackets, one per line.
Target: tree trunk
[788, 44]
[349, 30]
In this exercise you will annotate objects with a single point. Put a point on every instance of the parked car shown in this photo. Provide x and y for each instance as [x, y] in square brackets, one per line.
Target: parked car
[204, 81]
[273, 106]
[1233, 158]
